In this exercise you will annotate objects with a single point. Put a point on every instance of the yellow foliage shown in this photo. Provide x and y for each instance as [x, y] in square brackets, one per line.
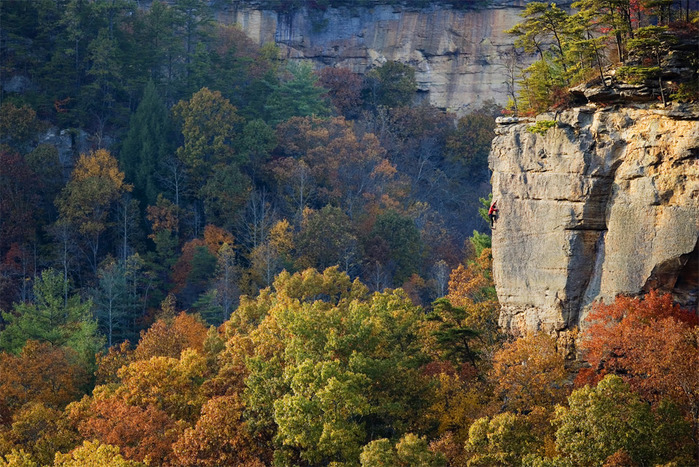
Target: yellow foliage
[282, 237]
[94, 453]
[530, 372]
[102, 165]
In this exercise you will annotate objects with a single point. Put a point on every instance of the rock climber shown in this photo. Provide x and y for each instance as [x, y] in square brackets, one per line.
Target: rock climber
[493, 213]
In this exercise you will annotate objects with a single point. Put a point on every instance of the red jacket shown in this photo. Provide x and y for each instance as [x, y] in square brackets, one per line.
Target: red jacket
[493, 209]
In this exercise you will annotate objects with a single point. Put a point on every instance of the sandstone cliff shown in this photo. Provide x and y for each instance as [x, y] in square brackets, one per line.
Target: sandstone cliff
[461, 56]
[605, 203]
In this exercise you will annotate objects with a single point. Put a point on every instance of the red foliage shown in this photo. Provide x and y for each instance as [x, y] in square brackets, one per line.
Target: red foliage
[649, 341]
[344, 88]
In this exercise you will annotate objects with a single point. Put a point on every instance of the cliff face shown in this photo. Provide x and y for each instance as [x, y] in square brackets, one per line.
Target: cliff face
[605, 203]
[461, 57]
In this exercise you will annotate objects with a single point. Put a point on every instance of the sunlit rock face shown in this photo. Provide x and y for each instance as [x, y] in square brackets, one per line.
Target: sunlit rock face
[606, 202]
[462, 57]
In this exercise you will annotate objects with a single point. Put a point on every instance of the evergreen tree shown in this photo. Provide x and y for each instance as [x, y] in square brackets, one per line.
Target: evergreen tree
[299, 96]
[51, 319]
[392, 84]
[147, 144]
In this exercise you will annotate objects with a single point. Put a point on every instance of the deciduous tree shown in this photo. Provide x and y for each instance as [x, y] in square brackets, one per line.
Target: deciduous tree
[96, 183]
[530, 372]
[220, 437]
[94, 453]
[603, 420]
[41, 373]
[652, 344]
[170, 384]
[140, 432]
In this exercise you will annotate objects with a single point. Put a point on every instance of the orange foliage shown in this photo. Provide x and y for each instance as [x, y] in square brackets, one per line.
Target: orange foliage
[141, 433]
[214, 239]
[651, 343]
[468, 283]
[530, 372]
[40, 373]
[168, 338]
[108, 364]
[163, 216]
[220, 437]
[344, 165]
[472, 288]
[183, 266]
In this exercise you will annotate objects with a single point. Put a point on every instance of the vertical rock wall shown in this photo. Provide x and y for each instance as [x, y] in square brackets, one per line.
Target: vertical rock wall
[605, 203]
[461, 56]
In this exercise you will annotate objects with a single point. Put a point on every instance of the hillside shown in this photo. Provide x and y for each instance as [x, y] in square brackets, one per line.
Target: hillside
[223, 250]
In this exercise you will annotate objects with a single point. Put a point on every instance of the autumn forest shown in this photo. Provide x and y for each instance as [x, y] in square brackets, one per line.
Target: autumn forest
[214, 256]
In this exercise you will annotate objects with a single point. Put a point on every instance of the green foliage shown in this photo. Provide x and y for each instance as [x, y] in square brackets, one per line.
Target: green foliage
[608, 418]
[501, 440]
[94, 453]
[256, 142]
[392, 84]
[100, 96]
[326, 238]
[542, 81]
[346, 366]
[480, 242]
[400, 237]
[17, 459]
[118, 298]
[208, 123]
[298, 96]
[410, 451]
[17, 124]
[147, 144]
[224, 194]
[203, 266]
[52, 318]
[542, 126]
[452, 336]
[485, 205]
[469, 145]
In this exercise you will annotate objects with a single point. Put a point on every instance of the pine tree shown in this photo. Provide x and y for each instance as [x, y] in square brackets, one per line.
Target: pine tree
[147, 145]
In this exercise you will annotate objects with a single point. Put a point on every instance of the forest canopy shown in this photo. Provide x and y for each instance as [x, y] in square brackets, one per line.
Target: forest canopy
[211, 256]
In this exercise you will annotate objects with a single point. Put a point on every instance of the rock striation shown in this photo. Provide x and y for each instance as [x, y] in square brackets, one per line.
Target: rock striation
[606, 202]
[462, 57]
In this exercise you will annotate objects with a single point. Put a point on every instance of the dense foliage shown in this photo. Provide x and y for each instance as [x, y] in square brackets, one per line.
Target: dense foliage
[210, 256]
[634, 38]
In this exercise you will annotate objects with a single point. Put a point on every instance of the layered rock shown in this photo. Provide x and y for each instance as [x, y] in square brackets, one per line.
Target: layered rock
[606, 202]
[461, 56]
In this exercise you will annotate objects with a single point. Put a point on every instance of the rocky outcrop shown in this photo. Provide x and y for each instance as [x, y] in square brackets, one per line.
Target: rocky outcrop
[461, 56]
[606, 202]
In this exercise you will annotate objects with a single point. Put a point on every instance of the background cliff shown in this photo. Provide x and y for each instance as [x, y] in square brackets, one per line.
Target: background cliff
[606, 202]
[461, 57]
